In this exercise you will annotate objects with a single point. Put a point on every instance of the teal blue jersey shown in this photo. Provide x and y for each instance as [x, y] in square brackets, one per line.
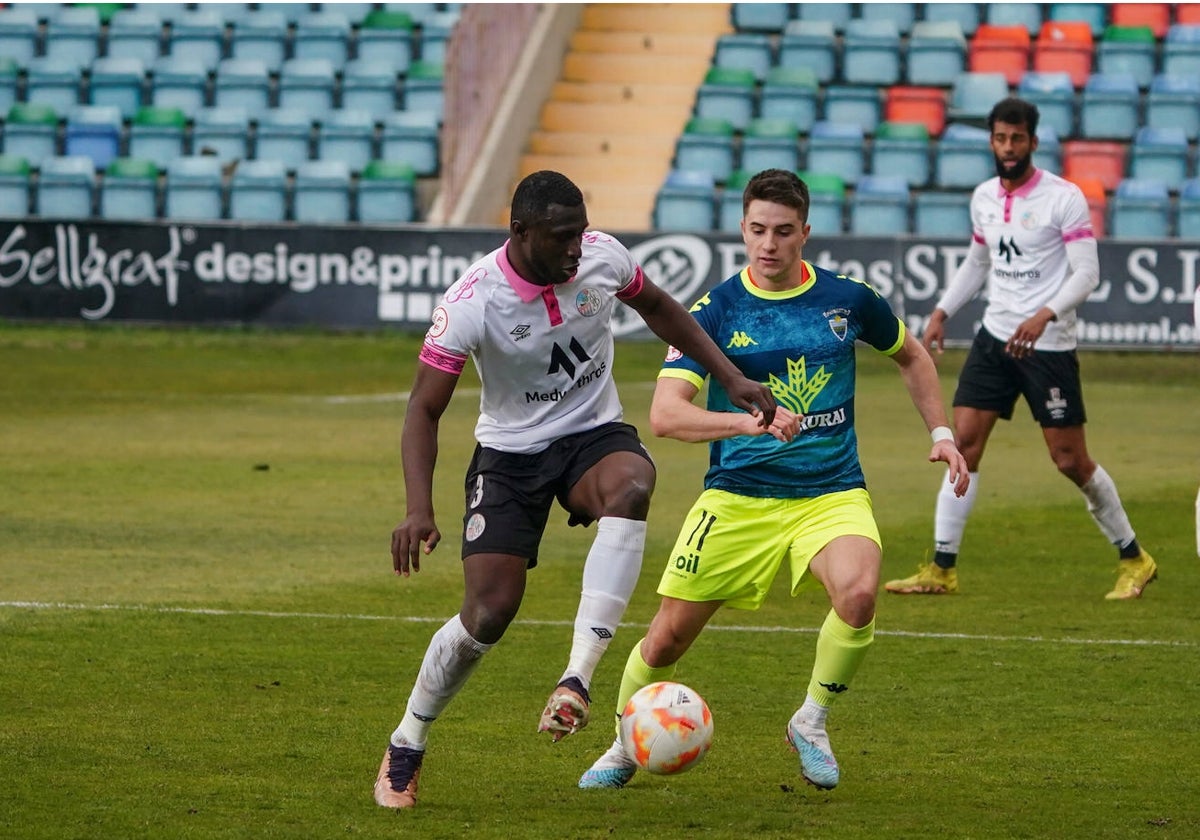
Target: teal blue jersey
[800, 343]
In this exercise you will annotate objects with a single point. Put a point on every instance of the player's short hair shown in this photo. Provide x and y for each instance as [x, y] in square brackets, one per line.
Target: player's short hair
[1014, 111]
[538, 191]
[778, 186]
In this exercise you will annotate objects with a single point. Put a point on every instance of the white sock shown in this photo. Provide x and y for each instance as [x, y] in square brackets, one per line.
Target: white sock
[610, 574]
[811, 713]
[1105, 507]
[951, 513]
[450, 659]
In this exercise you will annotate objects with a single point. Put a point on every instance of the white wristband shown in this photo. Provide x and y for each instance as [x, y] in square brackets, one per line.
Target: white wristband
[941, 433]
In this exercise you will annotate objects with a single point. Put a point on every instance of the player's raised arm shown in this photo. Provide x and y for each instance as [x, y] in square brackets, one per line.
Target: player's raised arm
[921, 380]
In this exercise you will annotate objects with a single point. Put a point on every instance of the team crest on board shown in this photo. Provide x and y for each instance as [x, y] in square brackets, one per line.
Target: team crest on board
[588, 302]
[839, 325]
[475, 526]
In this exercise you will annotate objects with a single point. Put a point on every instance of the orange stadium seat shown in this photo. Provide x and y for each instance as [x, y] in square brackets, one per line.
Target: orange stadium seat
[999, 49]
[1065, 46]
[1097, 199]
[1155, 15]
[1187, 13]
[926, 105]
[1103, 160]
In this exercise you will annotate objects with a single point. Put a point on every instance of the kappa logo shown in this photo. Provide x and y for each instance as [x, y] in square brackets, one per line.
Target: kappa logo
[740, 340]
[1008, 249]
[834, 687]
[560, 361]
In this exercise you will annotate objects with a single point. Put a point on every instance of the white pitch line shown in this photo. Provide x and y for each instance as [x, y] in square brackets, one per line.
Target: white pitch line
[726, 628]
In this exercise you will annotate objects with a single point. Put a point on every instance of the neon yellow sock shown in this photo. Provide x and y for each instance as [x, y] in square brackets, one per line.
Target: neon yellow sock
[638, 674]
[840, 650]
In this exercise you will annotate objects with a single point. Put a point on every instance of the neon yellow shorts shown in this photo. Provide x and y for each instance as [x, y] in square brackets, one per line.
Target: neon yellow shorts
[731, 547]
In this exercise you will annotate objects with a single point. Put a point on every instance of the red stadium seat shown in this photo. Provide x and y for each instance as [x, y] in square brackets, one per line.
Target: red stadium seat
[1000, 49]
[1155, 15]
[926, 105]
[1065, 46]
[1102, 160]
[1097, 201]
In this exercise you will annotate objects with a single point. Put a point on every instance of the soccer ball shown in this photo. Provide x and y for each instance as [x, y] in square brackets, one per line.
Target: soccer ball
[666, 728]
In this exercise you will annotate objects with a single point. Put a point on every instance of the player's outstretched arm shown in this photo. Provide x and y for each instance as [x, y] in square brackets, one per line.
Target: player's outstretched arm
[921, 380]
[674, 414]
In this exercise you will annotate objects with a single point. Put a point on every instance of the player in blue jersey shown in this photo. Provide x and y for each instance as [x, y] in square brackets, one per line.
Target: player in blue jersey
[791, 495]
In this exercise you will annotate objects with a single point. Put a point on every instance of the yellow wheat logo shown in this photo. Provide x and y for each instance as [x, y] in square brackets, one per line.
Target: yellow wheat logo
[739, 340]
[798, 393]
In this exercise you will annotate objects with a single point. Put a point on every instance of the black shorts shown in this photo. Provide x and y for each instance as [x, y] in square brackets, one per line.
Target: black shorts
[508, 496]
[991, 380]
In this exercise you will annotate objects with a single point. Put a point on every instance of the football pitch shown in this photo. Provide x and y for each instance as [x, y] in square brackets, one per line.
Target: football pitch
[201, 635]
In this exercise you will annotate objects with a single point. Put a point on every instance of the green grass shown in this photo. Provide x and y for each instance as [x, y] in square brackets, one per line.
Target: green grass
[202, 637]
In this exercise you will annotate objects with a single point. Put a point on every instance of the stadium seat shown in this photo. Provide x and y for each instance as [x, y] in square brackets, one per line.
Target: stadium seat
[1000, 49]
[1054, 96]
[165, 12]
[901, 149]
[198, 34]
[811, 44]
[744, 51]
[179, 82]
[1109, 107]
[1097, 201]
[65, 187]
[31, 132]
[157, 134]
[386, 37]
[285, 135]
[1160, 154]
[826, 202]
[974, 95]
[926, 105]
[242, 83]
[727, 93]
[306, 84]
[706, 145]
[129, 189]
[261, 35]
[136, 33]
[436, 31]
[411, 136]
[1174, 100]
[729, 205]
[1128, 49]
[945, 214]
[193, 189]
[1140, 209]
[1188, 221]
[1095, 15]
[903, 15]
[119, 81]
[1065, 46]
[54, 82]
[347, 135]
[94, 132]
[1157, 16]
[387, 193]
[18, 33]
[9, 75]
[14, 186]
[835, 14]
[1187, 13]
[258, 191]
[73, 35]
[321, 192]
[423, 87]
[1100, 160]
[1026, 15]
[937, 52]
[966, 15]
[871, 52]
[790, 93]
[858, 104]
[221, 132]
[759, 17]
[879, 206]
[963, 157]
[769, 144]
[1049, 150]
[685, 201]
[1181, 51]
[369, 86]
[322, 35]
[836, 149]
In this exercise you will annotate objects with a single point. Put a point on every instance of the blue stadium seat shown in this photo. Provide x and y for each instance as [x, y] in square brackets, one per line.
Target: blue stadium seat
[306, 84]
[1188, 222]
[901, 149]
[1174, 101]
[1181, 51]
[685, 201]
[348, 136]
[118, 80]
[14, 186]
[258, 191]
[411, 136]
[1109, 107]
[94, 132]
[73, 35]
[858, 104]
[261, 35]
[974, 94]
[193, 189]
[945, 214]
[386, 37]
[436, 30]
[879, 206]
[769, 144]
[242, 83]
[321, 192]
[387, 193]
[836, 149]
[826, 202]
[1049, 150]
[1128, 49]
[157, 134]
[903, 15]
[790, 93]
[963, 158]
[31, 132]
[423, 87]
[1140, 209]
[745, 51]
[66, 187]
[54, 82]
[1028, 15]
[759, 17]
[179, 82]
[1094, 14]
[285, 135]
[198, 34]
[871, 52]
[129, 189]
[322, 35]
[706, 145]
[966, 15]
[9, 75]
[1054, 96]
[727, 93]
[1160, 154]
[221, 132]
[136, 33]
[811, 44]
[419, 12]
[18, 33]
[729, 204]
[836, 14]
[369, 86]
[937, 52]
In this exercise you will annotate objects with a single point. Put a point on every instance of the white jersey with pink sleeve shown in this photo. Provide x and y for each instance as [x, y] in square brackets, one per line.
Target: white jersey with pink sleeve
[1026, 233]
[543, 353]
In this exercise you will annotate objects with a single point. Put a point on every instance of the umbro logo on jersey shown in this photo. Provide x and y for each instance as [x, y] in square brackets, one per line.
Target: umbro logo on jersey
[520, 331]
[740, 339]
[1008, 249]
[560, 361]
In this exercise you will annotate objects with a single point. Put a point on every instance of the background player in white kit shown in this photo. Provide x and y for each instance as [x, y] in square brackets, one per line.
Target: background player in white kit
[1033, 240]
[535, 318]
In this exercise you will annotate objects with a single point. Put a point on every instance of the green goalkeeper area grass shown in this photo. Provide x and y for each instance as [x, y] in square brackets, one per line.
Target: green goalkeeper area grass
[202, 636]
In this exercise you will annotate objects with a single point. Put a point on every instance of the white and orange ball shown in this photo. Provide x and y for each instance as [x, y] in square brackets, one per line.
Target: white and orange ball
[666, 728]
